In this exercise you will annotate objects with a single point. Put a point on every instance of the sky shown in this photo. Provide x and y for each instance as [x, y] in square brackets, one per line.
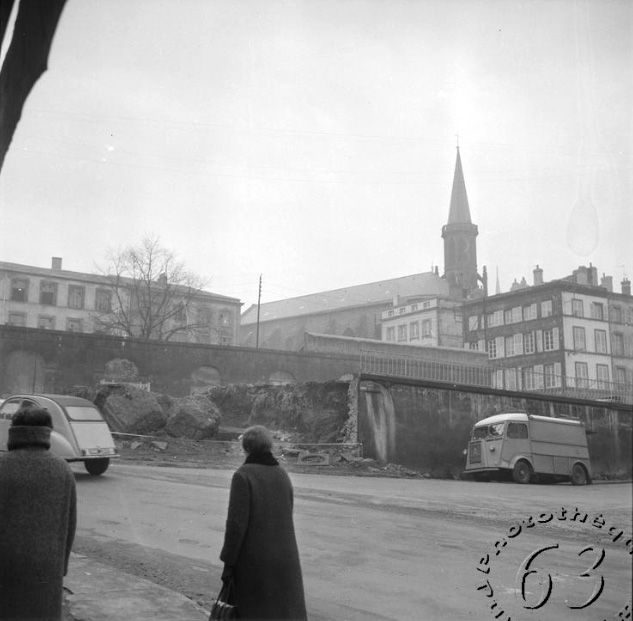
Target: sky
[313, 142]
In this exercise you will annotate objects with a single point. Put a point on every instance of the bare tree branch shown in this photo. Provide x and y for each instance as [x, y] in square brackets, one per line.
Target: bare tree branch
[155, 296]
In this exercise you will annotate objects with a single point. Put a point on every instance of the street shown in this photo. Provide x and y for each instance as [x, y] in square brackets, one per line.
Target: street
[382, 548]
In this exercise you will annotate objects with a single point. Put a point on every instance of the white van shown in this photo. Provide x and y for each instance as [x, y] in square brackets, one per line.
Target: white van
[527, 447]
[79, 431]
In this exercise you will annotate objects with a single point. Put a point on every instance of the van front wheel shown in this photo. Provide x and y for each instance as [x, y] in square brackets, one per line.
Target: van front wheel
[97, 466]
[578, 475]
[521, 472]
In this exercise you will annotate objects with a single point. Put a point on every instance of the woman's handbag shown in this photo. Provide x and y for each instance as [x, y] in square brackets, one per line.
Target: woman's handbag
[224, 606]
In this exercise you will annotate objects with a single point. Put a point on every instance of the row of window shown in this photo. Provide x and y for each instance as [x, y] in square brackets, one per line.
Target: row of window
[527, 313]
[409, 332]
[414, 307]
[519, 344]
[529, 378]
[617, 314]
[599, 341]
[47, 322]
[578, 309]
[511, 315]
[48, 295]
[548, 340]
[549, 376]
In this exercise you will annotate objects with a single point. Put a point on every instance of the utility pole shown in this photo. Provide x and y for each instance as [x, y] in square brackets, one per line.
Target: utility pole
[259, 299]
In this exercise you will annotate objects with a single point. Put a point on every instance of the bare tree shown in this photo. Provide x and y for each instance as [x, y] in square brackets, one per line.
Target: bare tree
[154, 296]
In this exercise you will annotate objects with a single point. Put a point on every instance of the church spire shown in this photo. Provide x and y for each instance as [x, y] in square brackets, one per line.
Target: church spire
[459, 211]
[460, 240]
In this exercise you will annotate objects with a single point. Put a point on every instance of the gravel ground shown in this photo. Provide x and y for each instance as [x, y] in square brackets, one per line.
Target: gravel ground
[180, 452]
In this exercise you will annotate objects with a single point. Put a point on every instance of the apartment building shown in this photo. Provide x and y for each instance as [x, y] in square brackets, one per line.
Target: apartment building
[57, 299]
[570, 334]
[435, 322]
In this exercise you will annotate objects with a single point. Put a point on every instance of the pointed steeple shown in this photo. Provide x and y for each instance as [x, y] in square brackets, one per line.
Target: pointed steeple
[498, 287]
[460, 240]
[459, 211]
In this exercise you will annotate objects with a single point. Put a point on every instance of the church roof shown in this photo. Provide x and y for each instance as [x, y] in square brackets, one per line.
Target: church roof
[459, 211]
[426, 284]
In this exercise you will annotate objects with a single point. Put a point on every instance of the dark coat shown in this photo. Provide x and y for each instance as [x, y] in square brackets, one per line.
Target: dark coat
[260, 544]
[37, 526]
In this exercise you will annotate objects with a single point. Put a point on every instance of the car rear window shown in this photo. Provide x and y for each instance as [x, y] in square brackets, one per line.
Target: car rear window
[84, 413]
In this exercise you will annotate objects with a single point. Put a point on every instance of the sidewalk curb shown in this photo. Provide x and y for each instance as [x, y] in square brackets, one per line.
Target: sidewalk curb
[97, 592]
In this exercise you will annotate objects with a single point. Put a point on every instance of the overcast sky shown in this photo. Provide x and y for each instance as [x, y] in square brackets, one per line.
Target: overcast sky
[313, 141]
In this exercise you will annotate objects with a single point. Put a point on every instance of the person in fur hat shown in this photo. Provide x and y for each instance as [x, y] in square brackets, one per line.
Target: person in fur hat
[38, 516]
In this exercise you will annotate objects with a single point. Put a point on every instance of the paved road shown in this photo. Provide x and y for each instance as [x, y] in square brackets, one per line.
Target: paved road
[377, 549]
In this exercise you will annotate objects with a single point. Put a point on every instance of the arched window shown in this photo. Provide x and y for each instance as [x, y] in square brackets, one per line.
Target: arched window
[281, 377]
[204, 377]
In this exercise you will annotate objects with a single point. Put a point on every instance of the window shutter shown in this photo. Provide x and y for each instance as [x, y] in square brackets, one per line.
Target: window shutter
[518, 344]
[557, 373]
[499, 378]
[538, 376]
[501, 347]
[539, 340]
[555, 338]
[482, 345]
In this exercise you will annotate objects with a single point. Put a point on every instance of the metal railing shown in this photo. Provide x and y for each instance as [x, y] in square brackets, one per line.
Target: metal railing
[579, 388]
[411, 367]
[402, 365]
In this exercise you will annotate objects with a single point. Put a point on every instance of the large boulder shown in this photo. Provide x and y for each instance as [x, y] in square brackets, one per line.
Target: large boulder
[128, 409]
[195, 417]
[318, 411]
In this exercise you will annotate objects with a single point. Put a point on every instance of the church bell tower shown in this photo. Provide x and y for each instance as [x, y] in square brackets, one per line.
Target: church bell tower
[460, 241]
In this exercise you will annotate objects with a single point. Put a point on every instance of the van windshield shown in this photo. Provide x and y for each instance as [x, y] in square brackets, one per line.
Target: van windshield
[488, 431]
[82, 413]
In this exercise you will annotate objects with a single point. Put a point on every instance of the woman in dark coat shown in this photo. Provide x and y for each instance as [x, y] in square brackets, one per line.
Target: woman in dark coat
[37, 520]
[260, 549]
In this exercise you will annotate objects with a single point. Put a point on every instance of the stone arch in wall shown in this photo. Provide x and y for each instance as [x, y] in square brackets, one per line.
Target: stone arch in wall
[23, 372]
[120, 370]
[204, 377]
[279, 378]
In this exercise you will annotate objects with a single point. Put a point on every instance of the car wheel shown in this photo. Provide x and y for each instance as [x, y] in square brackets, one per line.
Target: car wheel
[578, 475]
[97, 466]
[522, 473]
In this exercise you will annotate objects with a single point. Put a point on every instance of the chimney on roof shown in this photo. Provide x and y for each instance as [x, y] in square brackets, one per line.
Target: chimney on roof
[538, 276]
[626, 286]
[607, 282]
[592, 275]
[56, 263]
[580, 275]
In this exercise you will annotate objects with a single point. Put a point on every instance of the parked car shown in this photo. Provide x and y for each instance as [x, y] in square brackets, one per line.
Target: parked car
[527, 447]
[79, 431]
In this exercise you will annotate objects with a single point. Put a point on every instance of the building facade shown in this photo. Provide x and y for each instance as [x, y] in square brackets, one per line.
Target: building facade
[57, 299]
[435, 322]
[352, 311]
[570, 334]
